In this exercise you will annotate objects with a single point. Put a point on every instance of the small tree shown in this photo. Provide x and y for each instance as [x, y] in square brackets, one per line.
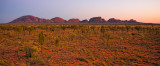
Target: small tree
[74, 27]
[52, 28]
[5, 27]
[107, 36]
[41, 39]
[29, 29]
[24, 29]
[35, 52]
[121, 39]
[138, 28]
[19, 29]
[63, 27]
[93, 27]
[32, 54]
[57, 42]
[128, 27]
[103, 29]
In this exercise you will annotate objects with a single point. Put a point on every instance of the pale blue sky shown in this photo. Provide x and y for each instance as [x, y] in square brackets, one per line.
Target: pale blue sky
[141, 10]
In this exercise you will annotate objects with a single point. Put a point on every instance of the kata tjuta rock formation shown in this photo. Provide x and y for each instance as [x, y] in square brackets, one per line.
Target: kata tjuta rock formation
[113, 20]
[58, 20]
[30, 18]
[73, 20]
[97, 20]
[84, 21]
[33, 19]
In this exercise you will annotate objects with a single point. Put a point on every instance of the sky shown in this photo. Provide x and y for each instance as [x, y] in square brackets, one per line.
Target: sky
[147, 11]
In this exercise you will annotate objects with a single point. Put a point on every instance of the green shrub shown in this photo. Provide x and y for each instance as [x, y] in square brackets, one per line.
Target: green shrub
[31, 51]
[74, 27]
[19, 29]
[83, 59]
[102, 29]
[37, 61]
[63, 27]
[35, 51]
[93, 27]
[27, 49]
[107, 36]
[32, 54]
[52, 28]
[138, 28]
[128, 27]
[41, 38]
[29, 29]
[57, 42]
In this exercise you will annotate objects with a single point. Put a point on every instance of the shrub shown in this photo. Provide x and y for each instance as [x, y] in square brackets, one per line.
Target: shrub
[93, 27]
[27, 49]
[83, 59]
[5, 27]
[102, 29]
[29, 29]
[35, 51]
[63, 27]
[57, 42]
[52, 28]
[121, 39]
[41, 38]
[33, 56]
[138, 28]
[99, 64]
[107, 36]
[74, 27]
[85, 30]
[128, 27]
[19, 29]
[31, 51]
[37, 61]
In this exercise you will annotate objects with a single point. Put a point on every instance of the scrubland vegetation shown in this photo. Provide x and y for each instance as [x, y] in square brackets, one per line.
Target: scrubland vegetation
[90, 45]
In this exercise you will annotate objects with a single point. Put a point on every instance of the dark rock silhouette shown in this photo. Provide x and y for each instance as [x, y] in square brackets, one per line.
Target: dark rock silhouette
[73, 20]
[84, 21]
[132, 21]
[58, 20]
[113, 20]
[97, 20]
